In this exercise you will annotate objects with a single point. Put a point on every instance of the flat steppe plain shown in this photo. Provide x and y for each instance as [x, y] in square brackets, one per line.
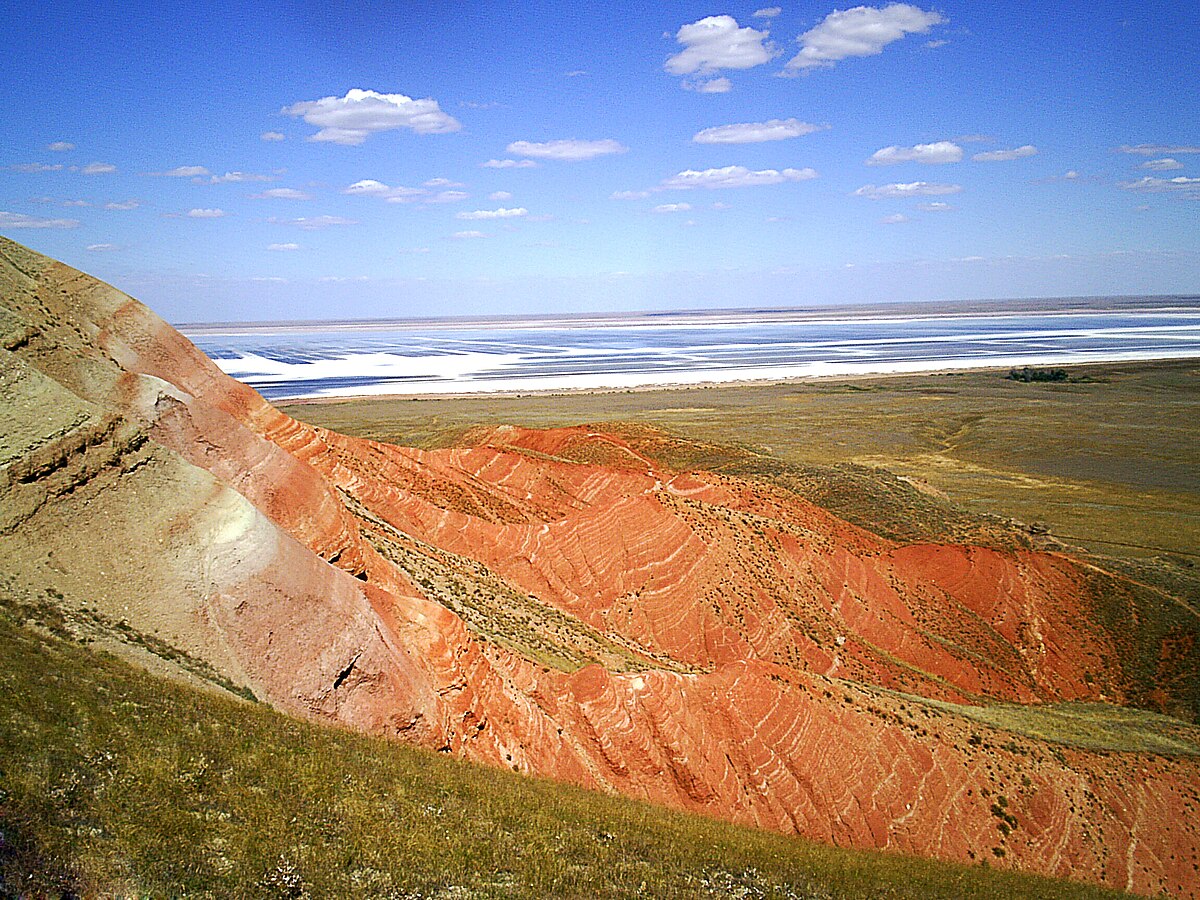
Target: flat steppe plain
[1108, 462]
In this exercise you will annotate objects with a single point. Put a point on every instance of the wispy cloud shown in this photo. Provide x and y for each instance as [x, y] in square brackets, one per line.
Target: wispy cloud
[372, 188]
[566, 150]
[672, 208]
[509, 164]
[734, 176]
[1189, 187]
[60, 146]
[20, 220]
[1006, 155]
[123, 205]
[206, 213]
[182, 172]
[272, 136]
[756, 132]
[1158, 149]
[283, 248]
[937, 153]
[893, 219]
[719, 85]
[351, 119]
[98, 168]
[446, 197]
[369, 187]
[281, 194]
[467, 235]
[311, 223]
[235, 178]
[861, 31]
[34, 168]
[101, 248]
[502, 213]
[1161, 165]
[767, 12]
[902, 190]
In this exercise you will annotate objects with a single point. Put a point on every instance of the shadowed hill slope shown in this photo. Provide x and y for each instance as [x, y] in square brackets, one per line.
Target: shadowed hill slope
[565, 603]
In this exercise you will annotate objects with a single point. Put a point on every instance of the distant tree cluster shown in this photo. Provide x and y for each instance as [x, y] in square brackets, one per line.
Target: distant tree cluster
[1029, 373]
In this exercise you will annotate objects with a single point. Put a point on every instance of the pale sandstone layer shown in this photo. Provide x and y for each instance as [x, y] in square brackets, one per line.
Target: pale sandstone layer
[756, 658]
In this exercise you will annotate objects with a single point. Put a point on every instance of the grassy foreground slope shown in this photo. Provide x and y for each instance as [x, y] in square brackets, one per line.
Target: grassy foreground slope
[117, 783]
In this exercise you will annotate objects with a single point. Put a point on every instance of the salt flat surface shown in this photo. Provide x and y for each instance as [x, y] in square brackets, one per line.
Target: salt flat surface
[293, 360]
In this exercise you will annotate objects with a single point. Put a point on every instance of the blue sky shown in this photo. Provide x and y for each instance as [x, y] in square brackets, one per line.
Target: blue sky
[335, 160]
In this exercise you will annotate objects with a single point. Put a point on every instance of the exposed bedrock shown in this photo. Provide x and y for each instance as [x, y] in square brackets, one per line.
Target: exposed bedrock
[557, 603]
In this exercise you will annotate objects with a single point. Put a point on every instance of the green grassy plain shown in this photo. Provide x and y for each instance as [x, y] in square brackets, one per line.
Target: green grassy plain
[116, 783]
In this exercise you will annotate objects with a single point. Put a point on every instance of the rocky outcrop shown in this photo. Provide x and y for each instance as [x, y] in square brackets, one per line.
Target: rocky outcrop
[558, 603]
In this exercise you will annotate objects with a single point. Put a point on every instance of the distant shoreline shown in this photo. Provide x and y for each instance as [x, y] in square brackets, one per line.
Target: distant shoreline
[928, 371]
[547, 355]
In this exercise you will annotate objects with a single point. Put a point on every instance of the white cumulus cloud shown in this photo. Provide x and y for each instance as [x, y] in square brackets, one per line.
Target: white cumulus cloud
[1005, 155]
[861, 31]
[767, 12]
[206, 213]
[734, 176]
[20, 220]
[756, 132]
[351, 119]
[501, 213]
[717, 42]
[937, 153]
[568, 150]
[911, 189]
